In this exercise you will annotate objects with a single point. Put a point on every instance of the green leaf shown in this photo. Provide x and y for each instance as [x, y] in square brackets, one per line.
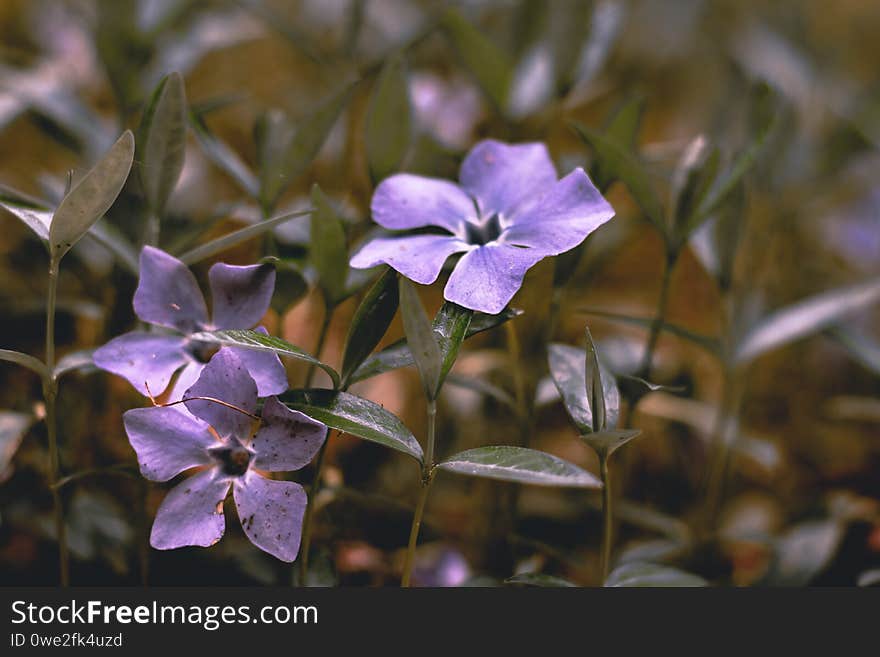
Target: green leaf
[112, 239]
[451, 328]
[621, 164]
[538, 579]
[35, 214]
[273, 134]
[224, 157]
[622, 128]
[420, 337]
[705, 342]
[260, 342]
[805, 318]
[486, 62]
[388, 121]
[310, 135]
[694, 175]
[370, 322]
[76, 360]
[25, 360]
[607, 441]
[567, 369]
[163, 142]
[520, 465]
[290, 282]
[237, 237]
[804, 551]
[484, 388]
[398, 355]
[13, 427]
[593, 385]
[642, 574]
[327, 249]
[91, 197]
[355, 416]
[862, 348]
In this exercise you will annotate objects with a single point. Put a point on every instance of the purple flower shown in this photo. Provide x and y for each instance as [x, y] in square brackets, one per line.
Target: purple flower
[168, 296]
[508, 212]
[231, 451]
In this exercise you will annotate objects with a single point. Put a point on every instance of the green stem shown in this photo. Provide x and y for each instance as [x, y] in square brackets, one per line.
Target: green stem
[659, 316]
[50, 393]
[427, 478]
[607, 522]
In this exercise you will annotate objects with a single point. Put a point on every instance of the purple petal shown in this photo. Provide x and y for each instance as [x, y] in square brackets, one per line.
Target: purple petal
[166, 441]
[562, 219]
[240, 295]
[487, 278]
[167, 293]
[265, 368]
[192, 513]
[224, 378]
[406, 201]
[419, 257]
[287, 440]
[144, 359]
[501, 176]
[271, 513]
[185, 380]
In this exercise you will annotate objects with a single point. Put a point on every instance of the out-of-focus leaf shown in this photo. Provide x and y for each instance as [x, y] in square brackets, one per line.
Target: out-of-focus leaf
[869, 578]
[420, 338]
[91, 197]
[694, 175]
[804, 551]
[237, 237]
[26, 360]
[486, 62]
[708, 343]
[224, 157]
[370, 322]
[310, 135]
[162, 141]
[862, 348]
[520, 465]
[112, 239]
[327, 250]
[644, 574]
[623, 128]
[356, 416]
[594, 387]
[76, 360]
[290, 282]
[620, 163]
[259, 342]
[538, 579]
[35, 214]
[388, 121]
[653, 550]
[13, 427]
[273, 133]
[805, 318]
[567, 369]
[716, 240]
[484, 388]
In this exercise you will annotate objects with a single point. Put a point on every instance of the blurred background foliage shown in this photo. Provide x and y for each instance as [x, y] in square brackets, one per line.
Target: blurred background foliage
[284, 94]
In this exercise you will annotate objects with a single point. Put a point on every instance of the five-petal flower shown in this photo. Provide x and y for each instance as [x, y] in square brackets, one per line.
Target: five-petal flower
[508, 212]
[168, 296]
[222, 441]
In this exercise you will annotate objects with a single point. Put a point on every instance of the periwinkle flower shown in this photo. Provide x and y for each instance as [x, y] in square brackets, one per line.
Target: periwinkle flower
[508, 212]
[232, 453]
[168, 296]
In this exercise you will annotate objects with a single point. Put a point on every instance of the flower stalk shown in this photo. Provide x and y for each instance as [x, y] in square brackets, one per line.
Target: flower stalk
[427, 479]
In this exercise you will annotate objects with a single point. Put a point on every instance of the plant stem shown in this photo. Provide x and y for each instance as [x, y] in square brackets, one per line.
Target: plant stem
[607, 522]
[50, 393]
[427, 478]
[723, 434]
[308, 519]
[659, 316]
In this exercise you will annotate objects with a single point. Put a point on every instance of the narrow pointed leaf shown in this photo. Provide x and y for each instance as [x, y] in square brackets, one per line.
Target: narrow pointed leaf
[622, 128]
[620, 163]
[420, 338]
[805, 318]
[76, 360]
[593, 385]
[567, 369]
[388, 122]
[862, 348]
[35, 214]
[704, 341]
[488, 64]
[642, 574]
[538, 579]
[519, 465]
[25, 360]
[355, 416]
[163, 141]
[606, 442]
[451, 328]
[370, 322]
[224, 157]
[91, 197]
[260, 342]
[237, 237]
[112, 239]
[327, 249]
